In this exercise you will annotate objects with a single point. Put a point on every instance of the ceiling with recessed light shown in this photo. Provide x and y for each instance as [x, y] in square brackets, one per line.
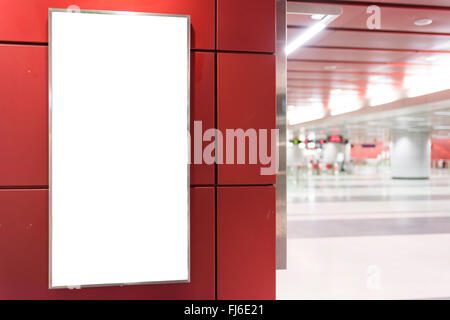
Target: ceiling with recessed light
[348, 68]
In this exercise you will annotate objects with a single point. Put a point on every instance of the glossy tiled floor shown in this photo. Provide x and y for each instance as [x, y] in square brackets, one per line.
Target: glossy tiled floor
[367, 237]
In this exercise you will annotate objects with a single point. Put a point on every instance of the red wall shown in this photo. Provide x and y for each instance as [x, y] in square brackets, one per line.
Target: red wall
[440, 149]
[232, 86]
[358, 152]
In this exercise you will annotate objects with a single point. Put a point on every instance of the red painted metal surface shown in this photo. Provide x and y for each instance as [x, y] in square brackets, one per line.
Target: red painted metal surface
[246, 242]
[246, 25]
[246, 100]
[202, 109]
[23, 115]
[26, 20]
[24, 253]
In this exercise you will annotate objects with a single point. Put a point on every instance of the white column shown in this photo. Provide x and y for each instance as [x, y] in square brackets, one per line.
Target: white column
[410, 155]
[294, 156]
[330, 151]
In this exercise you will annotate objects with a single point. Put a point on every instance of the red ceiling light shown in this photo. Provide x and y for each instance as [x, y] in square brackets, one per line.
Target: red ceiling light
[335, 139]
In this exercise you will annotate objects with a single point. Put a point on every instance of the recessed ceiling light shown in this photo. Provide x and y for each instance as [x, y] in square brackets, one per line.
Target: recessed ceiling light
[330, 67]
[423, 22]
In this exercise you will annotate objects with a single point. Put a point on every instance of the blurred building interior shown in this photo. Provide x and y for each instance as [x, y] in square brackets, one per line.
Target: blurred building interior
[368, 151]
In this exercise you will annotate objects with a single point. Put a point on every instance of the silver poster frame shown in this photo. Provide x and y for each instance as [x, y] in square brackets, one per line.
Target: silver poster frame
[50, 108]
[281, 91]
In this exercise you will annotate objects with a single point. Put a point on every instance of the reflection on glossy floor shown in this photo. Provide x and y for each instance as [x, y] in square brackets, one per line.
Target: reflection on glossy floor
[368, 237]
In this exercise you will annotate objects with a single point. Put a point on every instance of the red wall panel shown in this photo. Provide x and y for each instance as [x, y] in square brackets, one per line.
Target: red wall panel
[24, 253]
[246, 100]
[246, 25]
[246, 242]
[26, 20]
[440, 149]
[23, 115]
[359, 152]
[202, 109]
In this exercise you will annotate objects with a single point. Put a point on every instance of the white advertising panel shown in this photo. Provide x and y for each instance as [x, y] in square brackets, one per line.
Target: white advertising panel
[118, 135]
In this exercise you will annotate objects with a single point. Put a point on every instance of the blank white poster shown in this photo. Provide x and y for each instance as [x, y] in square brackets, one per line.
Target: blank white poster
[119, 92]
